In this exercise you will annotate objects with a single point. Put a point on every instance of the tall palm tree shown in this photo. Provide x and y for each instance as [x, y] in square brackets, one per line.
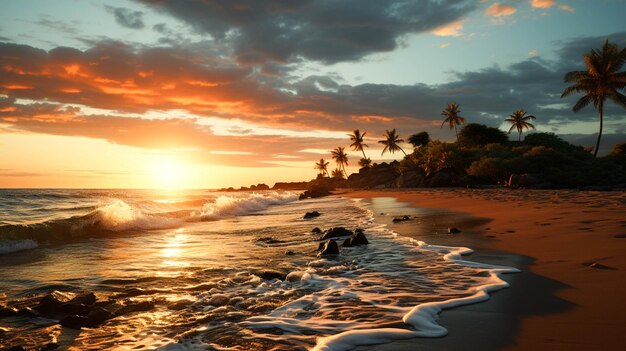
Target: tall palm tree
[452, 117]
[341, 158]
[357, 141]
[602, 79]
[322, 166]
[519, 120]
[391, 142]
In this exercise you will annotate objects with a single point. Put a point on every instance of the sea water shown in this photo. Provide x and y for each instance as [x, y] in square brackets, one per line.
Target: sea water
[199, 256]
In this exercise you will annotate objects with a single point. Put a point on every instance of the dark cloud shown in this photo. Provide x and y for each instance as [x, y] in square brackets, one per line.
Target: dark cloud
[324, 30]
[57, 25]
[127, 17]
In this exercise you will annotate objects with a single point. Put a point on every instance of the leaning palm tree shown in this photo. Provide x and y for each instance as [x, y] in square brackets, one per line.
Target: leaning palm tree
[341, 158]
[602, 79]
[322, 166]
[357, 141]
[519, 120]
[391, 142]
[452, 117]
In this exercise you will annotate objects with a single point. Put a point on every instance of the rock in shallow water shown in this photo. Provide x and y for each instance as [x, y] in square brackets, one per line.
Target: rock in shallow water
[336, 232]
[316, 230]
[330, 248]
[311, 214]
[52, 302]
[453, 230]
[269, 274]
[401, 219]
[358, 239]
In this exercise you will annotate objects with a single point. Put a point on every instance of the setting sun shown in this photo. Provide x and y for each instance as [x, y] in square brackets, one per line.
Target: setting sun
[169, 173]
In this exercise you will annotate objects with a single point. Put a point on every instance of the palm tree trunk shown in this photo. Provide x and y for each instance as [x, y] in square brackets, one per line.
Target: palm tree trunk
[595, 151]
[363, 153]
[519, 138]
[403, 152]
[457, 133]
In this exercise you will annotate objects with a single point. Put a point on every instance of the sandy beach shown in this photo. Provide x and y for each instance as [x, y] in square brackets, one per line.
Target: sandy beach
[569, 245]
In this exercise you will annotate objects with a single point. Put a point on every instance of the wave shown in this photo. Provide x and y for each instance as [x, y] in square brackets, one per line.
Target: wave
[8, 246]
[118, 216]
[228, 206]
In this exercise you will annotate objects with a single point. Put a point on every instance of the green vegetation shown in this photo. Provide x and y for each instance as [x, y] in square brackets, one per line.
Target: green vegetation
[483, 155]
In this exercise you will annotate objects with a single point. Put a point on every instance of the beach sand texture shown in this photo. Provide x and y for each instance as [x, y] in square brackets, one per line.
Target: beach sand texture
[571, 246]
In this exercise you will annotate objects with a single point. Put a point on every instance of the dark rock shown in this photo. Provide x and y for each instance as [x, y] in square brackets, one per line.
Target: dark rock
[75, 309]
[453, 230]
[401, 219]
[269, 274]
[85, 299]
[311, 214]
[410, 179]
[99, 315]
[320, 247]
[52, 302]
[16, 348]
[316, 230]
[136, 307]
[95, 317]
[359, 239]
[28, 312]
[8, 311]
[330, 248]
[289, 253]
[290, 186]
[74, 322]
[336, 232]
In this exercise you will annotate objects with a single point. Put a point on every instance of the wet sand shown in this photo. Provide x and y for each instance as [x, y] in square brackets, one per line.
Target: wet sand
[570, 246]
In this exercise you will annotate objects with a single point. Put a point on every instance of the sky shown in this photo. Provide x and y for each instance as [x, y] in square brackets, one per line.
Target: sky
[219, 93]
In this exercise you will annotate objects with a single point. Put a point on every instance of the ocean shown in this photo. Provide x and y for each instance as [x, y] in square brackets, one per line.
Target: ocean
[221, 271]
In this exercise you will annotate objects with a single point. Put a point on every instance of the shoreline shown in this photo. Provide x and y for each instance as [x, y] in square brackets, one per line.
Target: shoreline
[569, 245]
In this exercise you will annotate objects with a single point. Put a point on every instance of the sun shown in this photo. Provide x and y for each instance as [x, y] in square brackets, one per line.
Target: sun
[168, 173]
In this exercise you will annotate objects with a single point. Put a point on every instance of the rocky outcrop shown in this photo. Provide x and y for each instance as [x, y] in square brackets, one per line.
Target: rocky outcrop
[379, 176]
[453, 230]
[290, 186]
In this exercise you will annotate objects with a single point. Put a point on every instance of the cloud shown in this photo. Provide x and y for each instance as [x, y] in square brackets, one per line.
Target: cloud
[328, 31]
[567, 8]
[127, 17]
[444, 45]
[449, 30]
[500, 10]
[533, 53]
[542, 4]
[117, 77]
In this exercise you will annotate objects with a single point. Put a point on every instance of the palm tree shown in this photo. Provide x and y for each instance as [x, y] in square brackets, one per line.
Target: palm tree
[337, 173]
[365, 162]
[519, 120]
[357, 141]
[322, 166]
[391, 142]
[341, 158]
[452, 117]
[600, 81]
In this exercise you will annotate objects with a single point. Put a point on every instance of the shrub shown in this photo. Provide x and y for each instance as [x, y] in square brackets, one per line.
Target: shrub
[480, 135]
[419, 139]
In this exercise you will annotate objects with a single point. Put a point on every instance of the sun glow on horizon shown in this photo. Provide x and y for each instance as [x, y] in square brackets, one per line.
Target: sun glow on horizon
[169, 173]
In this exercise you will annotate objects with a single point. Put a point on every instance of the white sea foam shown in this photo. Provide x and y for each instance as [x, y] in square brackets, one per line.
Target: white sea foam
[226, 206]
[8, 246]
[120, 216]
